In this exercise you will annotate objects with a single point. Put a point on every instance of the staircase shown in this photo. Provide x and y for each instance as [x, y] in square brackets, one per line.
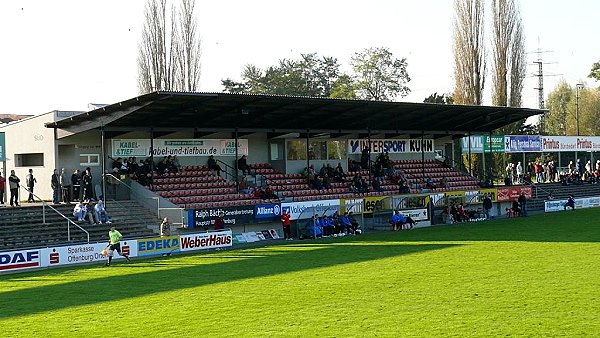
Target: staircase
[23, 226]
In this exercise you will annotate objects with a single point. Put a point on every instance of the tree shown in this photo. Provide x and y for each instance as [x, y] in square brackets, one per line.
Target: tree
[169, 51]
[379, 75]
[439, 99]
[562, 116]
[310, 75]
[508, 49]
[469, 52]
[595, 72]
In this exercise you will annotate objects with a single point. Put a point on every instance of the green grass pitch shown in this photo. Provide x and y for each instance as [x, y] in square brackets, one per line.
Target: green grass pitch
[536, 277]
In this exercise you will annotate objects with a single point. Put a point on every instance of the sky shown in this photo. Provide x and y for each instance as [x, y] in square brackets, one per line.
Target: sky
[63, 55]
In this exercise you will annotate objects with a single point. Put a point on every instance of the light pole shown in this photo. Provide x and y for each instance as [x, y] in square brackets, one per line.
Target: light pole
[577, 88]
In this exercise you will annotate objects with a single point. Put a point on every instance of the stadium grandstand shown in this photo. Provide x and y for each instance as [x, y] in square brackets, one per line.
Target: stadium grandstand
[165, 139]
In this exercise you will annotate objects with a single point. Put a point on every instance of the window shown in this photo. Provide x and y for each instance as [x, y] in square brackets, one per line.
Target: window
[29, 160]
[318, 150]
[296, 150]
[89, 160]
[336, 150]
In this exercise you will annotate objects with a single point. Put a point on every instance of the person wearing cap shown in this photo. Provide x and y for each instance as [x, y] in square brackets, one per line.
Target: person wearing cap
[114, 244]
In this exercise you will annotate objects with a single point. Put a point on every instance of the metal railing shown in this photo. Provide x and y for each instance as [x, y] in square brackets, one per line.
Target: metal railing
[69, 221]
[161, 212]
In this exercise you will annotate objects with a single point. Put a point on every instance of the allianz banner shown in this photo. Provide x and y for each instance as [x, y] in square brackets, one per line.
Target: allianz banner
[179, 147]
[267, 212]
[205, 218]
[392, 146]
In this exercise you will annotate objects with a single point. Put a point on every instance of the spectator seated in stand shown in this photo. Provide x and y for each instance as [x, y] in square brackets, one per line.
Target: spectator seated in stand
[353, 165]
[326, 182]
[527, 178]
[363, 187]
[269, 194]
[212, 164]
[444, 183]
[258, 193]
[377, 185]
[90, 212]
[79, 211]
[429, 183]
[101, 214]
[403, 187]
[243, 166]
[338, 174]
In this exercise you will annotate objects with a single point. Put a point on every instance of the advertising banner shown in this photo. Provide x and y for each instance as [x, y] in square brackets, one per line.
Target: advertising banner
[416, 214]
[20, 260]
[158, 245]
[267, 211]
[206, 240]
[354, 204]
[2, 147]
[296, 209]
[375, 204]
[476, 196]
[510, 194]
[84, 253]
[179, 147]
[580, 203]
[570, 143]
[392, 146]
[481, 143]
[522, 143]
[205, 218]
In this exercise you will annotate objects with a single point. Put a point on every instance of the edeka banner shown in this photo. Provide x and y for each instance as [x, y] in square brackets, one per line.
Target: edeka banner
[20, 260]
[206, 240]
[267, 211]
[180, 147]
[297, 209]
[570, 143]
[522, 143]
[157, 245]
[205, 218]
[392, 146]
[510, 194]
[84, 253]
[580, 203]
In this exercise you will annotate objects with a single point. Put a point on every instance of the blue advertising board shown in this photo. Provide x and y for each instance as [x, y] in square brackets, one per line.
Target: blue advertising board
[267, 211]
[2, 147]
[522, 143]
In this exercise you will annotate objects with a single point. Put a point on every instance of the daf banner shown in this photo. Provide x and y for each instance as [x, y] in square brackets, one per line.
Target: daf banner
[20, 260]
[181, 147]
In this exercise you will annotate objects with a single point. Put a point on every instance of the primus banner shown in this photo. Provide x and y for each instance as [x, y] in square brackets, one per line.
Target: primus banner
[181, 147]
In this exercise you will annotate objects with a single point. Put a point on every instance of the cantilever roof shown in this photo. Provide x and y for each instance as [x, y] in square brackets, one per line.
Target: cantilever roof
[215, 112]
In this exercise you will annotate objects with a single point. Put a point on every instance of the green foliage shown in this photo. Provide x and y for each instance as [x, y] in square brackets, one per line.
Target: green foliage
[595, 72]
[439, 99]
[531, 277]
[310, 75]
[562, 116]
[379, 75]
